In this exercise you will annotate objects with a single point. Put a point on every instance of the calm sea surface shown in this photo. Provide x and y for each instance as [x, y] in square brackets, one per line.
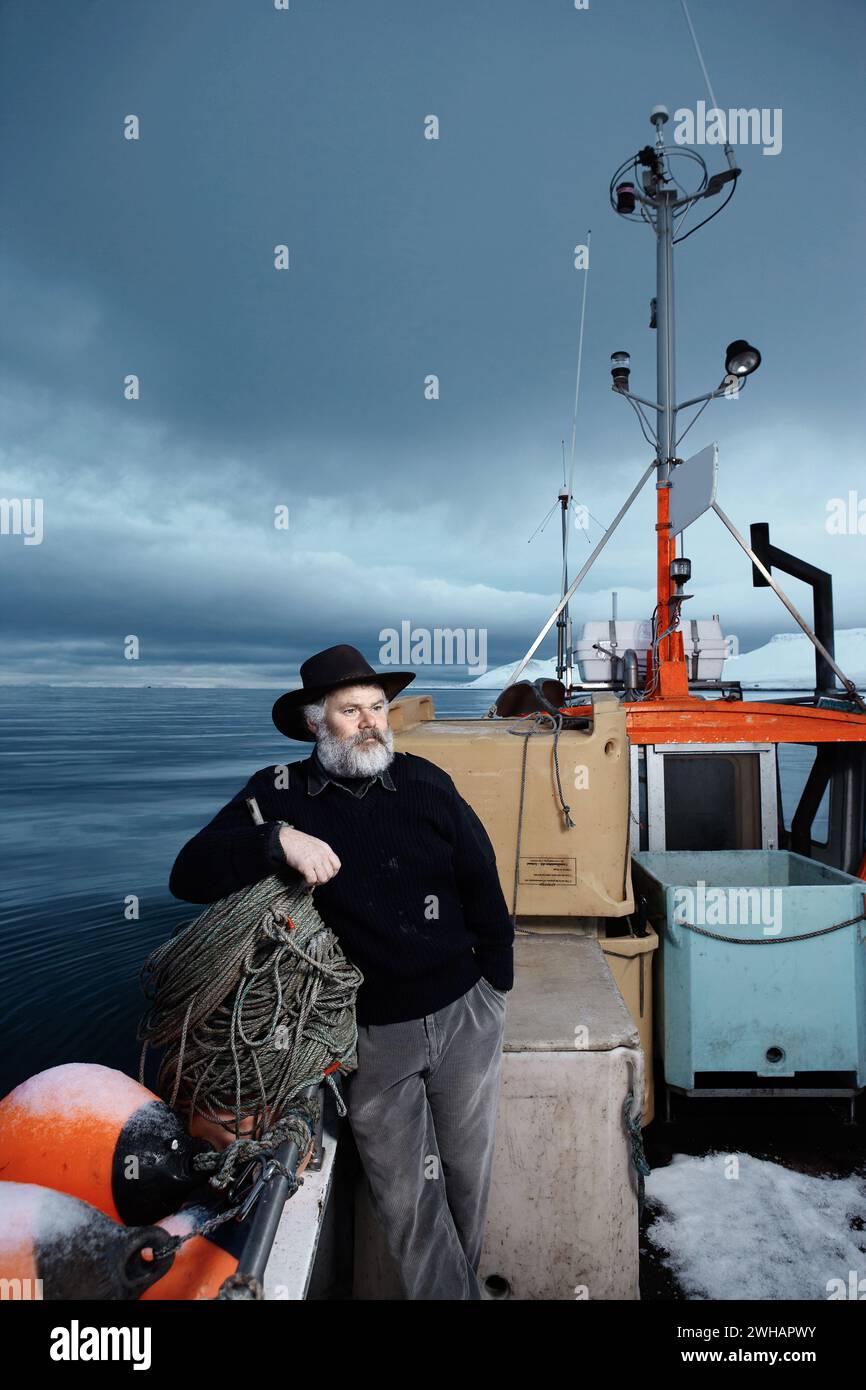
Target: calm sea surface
[101, 788]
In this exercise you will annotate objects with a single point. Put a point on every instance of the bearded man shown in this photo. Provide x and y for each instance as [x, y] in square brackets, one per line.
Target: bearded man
[403, 872]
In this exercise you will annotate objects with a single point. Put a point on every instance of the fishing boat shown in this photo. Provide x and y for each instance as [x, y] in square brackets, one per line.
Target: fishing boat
[635, 805]
[680, 933]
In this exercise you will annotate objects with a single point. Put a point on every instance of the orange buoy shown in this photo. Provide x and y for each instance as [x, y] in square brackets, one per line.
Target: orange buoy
[203, 1263]
[53, 1246]
[96, 1134]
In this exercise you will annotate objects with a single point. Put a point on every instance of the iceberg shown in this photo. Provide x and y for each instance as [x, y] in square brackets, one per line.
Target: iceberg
[787, 661]
[499, 676]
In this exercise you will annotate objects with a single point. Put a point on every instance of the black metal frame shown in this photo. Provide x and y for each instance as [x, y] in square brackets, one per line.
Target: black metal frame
[821, 583]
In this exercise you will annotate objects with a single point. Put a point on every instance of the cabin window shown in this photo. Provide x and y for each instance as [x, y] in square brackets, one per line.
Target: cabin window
[719, 797]
[712, 801]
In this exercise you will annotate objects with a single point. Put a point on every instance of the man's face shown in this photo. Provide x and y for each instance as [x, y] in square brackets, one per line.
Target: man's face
[355, 740]
[357, 712]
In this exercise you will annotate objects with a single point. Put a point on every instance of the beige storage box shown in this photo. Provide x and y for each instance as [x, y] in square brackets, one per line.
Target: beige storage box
[564, 872]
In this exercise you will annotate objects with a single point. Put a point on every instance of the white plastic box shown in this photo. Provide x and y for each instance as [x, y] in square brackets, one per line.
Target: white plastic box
[703, 644]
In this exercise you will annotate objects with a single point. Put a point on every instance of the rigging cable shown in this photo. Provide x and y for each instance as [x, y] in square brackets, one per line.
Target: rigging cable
[719, 209]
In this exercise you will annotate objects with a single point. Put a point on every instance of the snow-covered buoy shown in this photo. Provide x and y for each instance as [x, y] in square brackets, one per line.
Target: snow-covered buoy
[53, 1246]
[96, 1134]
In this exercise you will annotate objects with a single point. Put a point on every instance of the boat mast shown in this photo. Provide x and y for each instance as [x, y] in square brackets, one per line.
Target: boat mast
[670, 649]
[664, 198]
[658, 202]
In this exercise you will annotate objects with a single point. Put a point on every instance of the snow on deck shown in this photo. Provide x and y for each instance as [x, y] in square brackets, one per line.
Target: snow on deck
[731, 1226]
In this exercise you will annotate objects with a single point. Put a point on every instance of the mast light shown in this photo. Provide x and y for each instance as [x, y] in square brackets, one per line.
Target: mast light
[620, 367]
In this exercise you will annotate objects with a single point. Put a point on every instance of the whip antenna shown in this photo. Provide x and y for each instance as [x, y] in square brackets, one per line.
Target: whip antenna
[729, 153]
[579, 361]
[563, 635]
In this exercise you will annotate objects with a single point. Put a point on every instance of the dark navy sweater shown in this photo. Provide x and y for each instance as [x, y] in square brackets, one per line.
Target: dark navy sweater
[416, 904]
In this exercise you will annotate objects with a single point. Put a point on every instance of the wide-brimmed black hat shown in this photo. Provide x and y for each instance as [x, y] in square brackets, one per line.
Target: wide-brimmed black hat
[326, 671]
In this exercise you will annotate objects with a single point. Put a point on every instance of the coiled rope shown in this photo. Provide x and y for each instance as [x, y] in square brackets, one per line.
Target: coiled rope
[254, 1001]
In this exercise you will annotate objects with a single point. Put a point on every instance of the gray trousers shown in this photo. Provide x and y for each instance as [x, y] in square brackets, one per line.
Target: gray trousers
[422, 1106]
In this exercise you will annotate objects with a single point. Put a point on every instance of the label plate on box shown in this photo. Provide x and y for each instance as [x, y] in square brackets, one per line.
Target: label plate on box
[550, 870]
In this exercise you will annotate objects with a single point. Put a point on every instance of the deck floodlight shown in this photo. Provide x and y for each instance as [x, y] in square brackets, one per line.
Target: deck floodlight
[620, 367]
[741, 359]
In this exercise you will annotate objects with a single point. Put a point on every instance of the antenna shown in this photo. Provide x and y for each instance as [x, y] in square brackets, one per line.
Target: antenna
[659, 115]
[564, 623]
[729, 153]
[579, 360]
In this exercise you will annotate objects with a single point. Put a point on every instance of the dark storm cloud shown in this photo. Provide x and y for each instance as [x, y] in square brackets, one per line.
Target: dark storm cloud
[407, 257]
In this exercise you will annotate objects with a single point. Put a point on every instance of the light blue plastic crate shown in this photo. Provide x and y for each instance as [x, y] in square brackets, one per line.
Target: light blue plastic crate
[779, 1008]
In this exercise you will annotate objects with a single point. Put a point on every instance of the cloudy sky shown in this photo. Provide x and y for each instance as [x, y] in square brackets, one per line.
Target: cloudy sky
[304, 388]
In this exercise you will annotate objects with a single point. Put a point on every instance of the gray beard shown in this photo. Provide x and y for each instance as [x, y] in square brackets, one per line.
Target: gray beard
[350, 757]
